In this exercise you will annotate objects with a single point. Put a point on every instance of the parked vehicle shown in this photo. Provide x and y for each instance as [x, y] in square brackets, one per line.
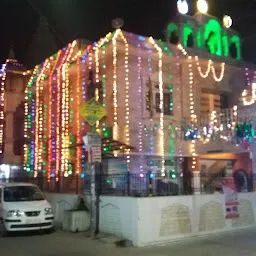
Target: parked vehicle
[23, 207]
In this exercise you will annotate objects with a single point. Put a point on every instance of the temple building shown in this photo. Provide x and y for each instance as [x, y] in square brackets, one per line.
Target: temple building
[172, 106]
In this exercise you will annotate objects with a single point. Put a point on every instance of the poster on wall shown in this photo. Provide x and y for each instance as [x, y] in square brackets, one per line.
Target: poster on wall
[231, 198]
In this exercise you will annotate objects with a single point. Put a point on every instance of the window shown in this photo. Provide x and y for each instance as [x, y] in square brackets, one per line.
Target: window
[167, 104]
[18, 131]
[22, 193]
[212, 100]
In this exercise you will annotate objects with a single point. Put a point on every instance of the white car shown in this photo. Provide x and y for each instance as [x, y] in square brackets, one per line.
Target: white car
[23, 207]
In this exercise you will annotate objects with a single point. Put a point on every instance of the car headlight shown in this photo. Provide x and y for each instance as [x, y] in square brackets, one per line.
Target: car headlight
[48, 211]
[15, 213]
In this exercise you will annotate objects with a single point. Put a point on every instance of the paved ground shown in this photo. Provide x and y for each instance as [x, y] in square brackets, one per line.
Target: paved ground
[65, 244]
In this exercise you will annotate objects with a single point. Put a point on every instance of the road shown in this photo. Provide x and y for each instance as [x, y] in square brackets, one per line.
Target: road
[241, 243]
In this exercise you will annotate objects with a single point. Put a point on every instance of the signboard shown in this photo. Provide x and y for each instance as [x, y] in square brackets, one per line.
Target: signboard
[92, 111]
[93, 144]
[94, 154]
[231, 198]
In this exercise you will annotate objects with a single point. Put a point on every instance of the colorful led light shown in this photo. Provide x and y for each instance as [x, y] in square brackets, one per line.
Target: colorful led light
[39, 121]
[171, 127]
[2, 100]
[60, 92]
[115, 103]
[51, 92]
[78, 118]
[29, 116]
[140, 101]
[151, 138]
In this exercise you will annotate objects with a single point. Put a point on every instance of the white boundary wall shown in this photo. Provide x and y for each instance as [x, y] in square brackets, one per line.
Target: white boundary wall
[147, 221]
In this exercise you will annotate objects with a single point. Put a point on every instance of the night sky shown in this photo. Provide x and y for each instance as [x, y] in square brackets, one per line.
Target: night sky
[91, 19]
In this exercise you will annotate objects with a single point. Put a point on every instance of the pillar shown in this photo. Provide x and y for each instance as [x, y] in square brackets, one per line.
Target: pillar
[191, 177]
[253, 159]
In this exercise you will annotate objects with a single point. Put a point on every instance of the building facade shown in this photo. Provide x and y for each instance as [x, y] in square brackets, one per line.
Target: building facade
[172, 107]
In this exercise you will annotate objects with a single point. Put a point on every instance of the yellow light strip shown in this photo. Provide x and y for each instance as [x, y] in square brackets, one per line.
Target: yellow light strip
[161, 105]
[115, 102]
[65, 111]
[193, 116]
[115, 90]
[210, 66]
[39, 120]
[60, 137]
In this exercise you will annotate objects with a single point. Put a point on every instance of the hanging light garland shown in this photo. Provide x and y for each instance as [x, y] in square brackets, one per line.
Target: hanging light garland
[39, 120]
[78, 119]
[115, 103]
[2, 99]
[65, 112]
[161, 105]
[140, 124]
[115, 91]
[51, 127]
[152, 127]
[60, 118]
[171, 107]
[193, 117]
[28, 122]
[210, 68]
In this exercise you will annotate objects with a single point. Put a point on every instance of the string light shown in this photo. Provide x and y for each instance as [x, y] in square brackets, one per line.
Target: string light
[84, 58]
[218, 79]
[44, 102]
[193, 116]
[171, 127]
[39, 121]
[115, 106]
[248, 80]
[29, 116]
[65, 111]
[78, 119]
[51, 92]
[103, 83]
[127, 83]
[161, 106]
[2, 98]
[210, 68]
[151, 138]
[140, 95]
[60, 161]
[207, 72]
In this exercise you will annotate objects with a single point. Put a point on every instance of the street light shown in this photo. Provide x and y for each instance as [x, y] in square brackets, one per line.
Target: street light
[202, 6]
[182, 6]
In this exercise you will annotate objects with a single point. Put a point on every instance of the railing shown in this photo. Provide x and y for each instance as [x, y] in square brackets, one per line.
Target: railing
[138, 185]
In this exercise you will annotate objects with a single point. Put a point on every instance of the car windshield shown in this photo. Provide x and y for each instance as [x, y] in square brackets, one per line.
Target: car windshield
[22, 193]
